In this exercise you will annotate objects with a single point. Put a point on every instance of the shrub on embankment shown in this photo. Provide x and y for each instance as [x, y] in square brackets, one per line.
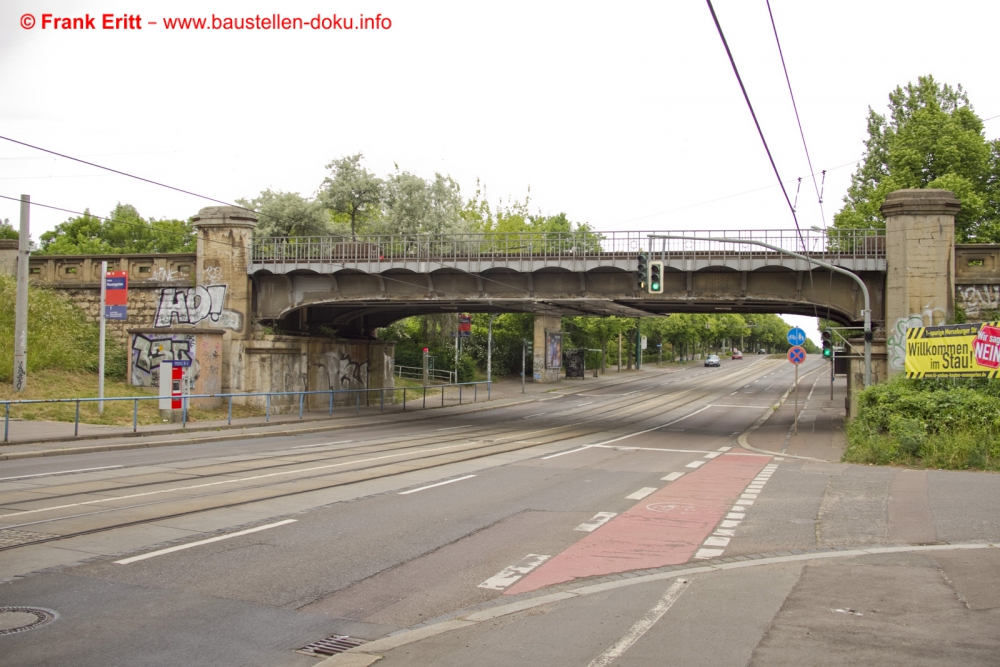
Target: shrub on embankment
[60, 337]
[952, 424]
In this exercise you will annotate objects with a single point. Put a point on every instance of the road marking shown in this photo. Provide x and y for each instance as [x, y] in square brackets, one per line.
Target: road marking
[717, 542]
[731, 523]
[673, 476]
[322, 444]
[624, 448]
[512, 573]
[641, 626]
[641, 493]
[452, 428]
[744, 502]
[712, 455]
[151, 554]
[695, 464]
[599, 520]
[724, 449]
[431, 486]
[726, 405]
[537, 414]
[704, 554]
[61, 472]
[235, 480]
[583, 404]
[749, 496]
[726, 532]
[568, 451]
[735, 515]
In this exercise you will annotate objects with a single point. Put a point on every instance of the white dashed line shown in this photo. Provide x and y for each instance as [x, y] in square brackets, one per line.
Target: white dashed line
[431, 486]
[599, 520]
[712, 455]
[180, 547]
[512, 573]
[724, 449]
[324, 444]
[695, 464]
[673, 476]
[641, 493]
[451, 428]
[704, 554]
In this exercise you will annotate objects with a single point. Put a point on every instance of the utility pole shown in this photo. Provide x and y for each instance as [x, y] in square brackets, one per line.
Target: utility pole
[100, 347]
[21, 307]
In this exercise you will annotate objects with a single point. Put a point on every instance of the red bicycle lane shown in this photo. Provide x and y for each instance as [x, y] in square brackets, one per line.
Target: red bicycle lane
[665, 528]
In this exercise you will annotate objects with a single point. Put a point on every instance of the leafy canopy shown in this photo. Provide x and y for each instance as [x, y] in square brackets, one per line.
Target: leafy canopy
[931, 138]
[124, 231]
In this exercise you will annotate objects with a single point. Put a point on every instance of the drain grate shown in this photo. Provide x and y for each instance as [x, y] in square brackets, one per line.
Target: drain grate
[331, 645]
[22, 619]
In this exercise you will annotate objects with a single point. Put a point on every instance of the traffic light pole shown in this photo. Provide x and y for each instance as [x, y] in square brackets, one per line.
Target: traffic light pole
[864, 288]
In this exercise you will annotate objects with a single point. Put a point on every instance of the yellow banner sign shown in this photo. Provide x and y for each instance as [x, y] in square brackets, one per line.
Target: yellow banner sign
[953, 350]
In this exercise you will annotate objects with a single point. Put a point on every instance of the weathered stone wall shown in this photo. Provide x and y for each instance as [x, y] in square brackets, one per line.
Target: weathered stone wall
[543, 324]
[201, 348]
[293, 363]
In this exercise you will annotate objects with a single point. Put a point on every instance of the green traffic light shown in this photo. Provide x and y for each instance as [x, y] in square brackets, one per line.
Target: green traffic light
[827, 352]
[655, 286]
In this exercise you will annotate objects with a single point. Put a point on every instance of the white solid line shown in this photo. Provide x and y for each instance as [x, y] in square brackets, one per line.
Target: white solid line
[452, 428]
[599, 520]
[512, 573]
[322, 444]
[673, 476]
[151, 554]
[724, 405]
[641, 493]
[641, 626]
[695, 464]
[61, 472]
[431, 486]
[568, 451]
[649, 449]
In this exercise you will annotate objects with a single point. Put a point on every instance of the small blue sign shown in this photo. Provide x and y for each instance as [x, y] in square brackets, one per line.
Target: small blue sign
[115, 283]
[116, 312]
[796, 336]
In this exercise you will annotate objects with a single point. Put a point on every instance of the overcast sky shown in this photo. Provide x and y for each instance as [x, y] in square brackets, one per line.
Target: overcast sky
[625, 115]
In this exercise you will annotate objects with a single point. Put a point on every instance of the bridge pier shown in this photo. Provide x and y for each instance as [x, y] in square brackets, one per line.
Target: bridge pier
[545, 324]
[920, 254]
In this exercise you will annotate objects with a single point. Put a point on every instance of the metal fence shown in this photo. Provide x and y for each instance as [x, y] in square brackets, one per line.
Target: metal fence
[417, 373]
[582, 244]
[420, 392]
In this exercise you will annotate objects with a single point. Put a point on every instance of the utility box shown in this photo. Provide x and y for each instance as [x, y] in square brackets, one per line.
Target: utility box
[172, 391]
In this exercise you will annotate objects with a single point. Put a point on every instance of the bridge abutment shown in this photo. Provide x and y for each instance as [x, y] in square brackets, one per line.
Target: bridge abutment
[920, 277]
[546, 324]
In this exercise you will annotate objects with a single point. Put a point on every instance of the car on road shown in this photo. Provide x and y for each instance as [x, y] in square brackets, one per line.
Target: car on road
[761, 351]
[737, 354]
[713, 360]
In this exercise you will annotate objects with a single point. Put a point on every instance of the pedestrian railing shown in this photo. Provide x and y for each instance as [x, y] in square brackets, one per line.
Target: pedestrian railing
[417, 373]
[419, 393]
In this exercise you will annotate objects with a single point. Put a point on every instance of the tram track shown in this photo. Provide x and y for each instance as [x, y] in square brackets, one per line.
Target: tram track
[627, 410]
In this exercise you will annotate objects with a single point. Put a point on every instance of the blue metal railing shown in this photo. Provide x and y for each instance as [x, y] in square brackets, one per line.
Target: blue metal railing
[332, 393]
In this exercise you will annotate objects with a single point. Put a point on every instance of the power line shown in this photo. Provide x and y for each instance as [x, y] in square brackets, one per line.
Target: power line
[796, 108]
[121, 173]
[746, 97]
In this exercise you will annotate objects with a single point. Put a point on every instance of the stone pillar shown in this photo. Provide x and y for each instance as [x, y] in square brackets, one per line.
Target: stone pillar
[920, 253]
[224, 236]
[8, 257]
[552, 324]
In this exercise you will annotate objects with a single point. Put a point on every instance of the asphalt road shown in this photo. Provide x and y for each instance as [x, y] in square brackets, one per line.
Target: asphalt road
[241, 552]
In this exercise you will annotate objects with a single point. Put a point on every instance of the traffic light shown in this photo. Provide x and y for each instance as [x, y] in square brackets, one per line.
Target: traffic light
[827, 338]
[642, 271]
[656, 277]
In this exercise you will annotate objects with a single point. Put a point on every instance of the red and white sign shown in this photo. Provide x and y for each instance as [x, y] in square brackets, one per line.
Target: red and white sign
[986, 347]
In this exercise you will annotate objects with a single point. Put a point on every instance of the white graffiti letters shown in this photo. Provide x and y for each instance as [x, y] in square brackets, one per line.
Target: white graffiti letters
[190, 305]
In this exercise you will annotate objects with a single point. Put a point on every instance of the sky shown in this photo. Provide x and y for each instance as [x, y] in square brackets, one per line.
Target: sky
[626, 116]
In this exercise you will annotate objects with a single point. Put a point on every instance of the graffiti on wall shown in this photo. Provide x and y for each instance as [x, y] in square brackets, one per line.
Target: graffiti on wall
[896, 338]
[345, 372]
[978, 300]
[148, 351]
[191, 305]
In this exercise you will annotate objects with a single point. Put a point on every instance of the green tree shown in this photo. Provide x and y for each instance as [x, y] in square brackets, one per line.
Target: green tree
[7, 230]
[351, 190]
[124, 231]
[287, 214]
[931, 138]
[413, 205]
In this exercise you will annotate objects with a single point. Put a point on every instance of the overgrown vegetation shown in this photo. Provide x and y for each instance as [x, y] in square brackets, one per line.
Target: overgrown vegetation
[59, 335]
[928, 423]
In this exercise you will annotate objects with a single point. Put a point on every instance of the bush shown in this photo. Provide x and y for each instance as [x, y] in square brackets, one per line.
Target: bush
[60, 336]
[933, 423]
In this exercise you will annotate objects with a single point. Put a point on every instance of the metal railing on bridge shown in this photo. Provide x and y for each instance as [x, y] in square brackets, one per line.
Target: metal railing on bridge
[378, 252]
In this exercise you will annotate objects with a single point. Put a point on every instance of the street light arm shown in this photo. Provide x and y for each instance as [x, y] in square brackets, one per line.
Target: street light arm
[864, 288]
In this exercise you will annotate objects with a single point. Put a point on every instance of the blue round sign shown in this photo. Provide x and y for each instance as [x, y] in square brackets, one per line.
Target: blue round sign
[796, 336]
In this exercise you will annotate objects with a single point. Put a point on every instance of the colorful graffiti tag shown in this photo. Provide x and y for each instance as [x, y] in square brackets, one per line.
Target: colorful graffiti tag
[191, 305]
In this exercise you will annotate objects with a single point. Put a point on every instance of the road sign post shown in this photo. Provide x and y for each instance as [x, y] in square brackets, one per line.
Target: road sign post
[796, 355]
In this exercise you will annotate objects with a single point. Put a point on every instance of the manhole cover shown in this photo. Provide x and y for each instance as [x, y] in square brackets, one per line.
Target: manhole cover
[19, 619]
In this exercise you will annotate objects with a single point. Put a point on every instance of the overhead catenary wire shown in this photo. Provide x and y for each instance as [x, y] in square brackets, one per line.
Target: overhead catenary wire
[760, 131]
[798, 120]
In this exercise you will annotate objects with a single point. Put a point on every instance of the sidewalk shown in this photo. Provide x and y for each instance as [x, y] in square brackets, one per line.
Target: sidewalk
[30, 439]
